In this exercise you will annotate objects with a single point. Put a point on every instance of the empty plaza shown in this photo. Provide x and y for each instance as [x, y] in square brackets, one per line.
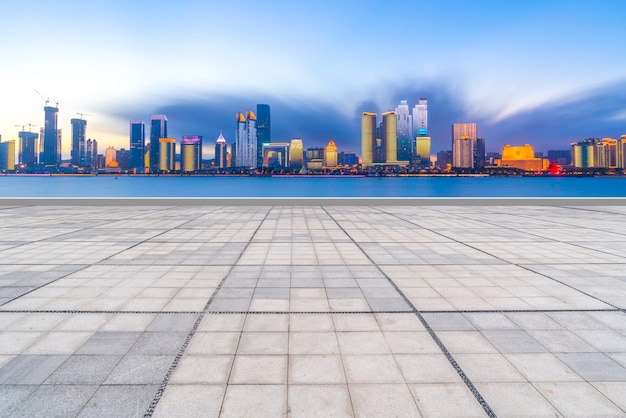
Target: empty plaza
[331, 310]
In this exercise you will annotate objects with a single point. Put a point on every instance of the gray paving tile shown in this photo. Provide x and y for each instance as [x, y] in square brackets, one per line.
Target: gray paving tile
[110, 343]
[514, 342]
[30, 369]
[55, 401]
[158, 343]
[124, 401]
[12, 396]
[594, 367]
[139, 370]
[84, 370]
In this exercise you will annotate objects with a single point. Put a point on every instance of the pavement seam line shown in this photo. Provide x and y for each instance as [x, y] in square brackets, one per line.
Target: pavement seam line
[457, 368]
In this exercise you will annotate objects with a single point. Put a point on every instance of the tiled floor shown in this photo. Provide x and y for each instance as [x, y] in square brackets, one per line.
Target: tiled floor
[312, 311]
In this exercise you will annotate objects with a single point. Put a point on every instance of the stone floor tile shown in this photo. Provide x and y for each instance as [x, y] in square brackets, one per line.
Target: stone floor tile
[13, 395]
[263, 343]
[259, 369]
[488, 368]
[520, 399]
[316, 369]
[30, 369]
[594, 367]
[514, 342]
[578, 399]
[214, 343]
[426, 368]
[419, 342]
[55, 401]
[255, 400]
[362, 343]
[614, 391]
[445, 400]
[319, 401]
[201, 401]
[140, 370]
[313, 343]
[372, 369]
[123, 401]
[383, 400]
[84, 370]
[209, 370]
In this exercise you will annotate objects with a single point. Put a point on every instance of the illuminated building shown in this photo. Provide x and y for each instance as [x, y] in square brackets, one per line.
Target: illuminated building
[50, 152]
[191, 153]
[347, 158]
[246, 140]
[220, 152]
[158, 130]
[610, 153]
[233, 154]
[314, 158]
[122, 156]
[330, 154]
[420, 116]
[263, 132]
[368, 138]
[7, 155]
[584, 153]
[91, 153]
[464, 145]
[404, 131]
[78, 142]
[389, 132]
[523, 157]
[167, 154]
[137, 145]
[110, 155]
[28, 145]
[296, 153]
[444, 159]
[276, 155]
[422, 148]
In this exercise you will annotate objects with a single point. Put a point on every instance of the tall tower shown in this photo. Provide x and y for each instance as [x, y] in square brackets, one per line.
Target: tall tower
[137, 145]
[78, 142]
[463, 145]
[420, 116]
[390, 137]
[368, 138]
[190, 153]
[404, 131]
[27, 143]
[220, 151]
[49, 155]
[262, 131]
[330, 154]
[296, 153]
[158, 129]
[246, 140]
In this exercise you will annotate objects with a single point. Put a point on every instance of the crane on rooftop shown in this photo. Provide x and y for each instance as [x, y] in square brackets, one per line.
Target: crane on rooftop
[83, 114]
[30, 126]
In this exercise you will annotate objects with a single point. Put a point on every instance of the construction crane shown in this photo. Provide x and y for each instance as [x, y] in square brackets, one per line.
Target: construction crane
[30, 126]
[82, 114]
[41, 95]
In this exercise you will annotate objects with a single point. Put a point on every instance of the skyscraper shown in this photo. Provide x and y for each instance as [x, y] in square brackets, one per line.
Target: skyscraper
[167, 154]
[28, 145]
[330, 154]
[420, 116]
[263, 133]
[49, 154]
[296, 153]
[220, 151]
[137, 145]
[246, 140]
[91, 153]
[404, 134]
[368, 138]
[463, 145]
[276, 155]
[190, 153]
[158, 129]
[78, 142]
[389, 132]
[422, 150]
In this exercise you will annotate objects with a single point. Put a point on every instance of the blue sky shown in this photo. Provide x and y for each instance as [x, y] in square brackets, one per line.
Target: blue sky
[540, 72]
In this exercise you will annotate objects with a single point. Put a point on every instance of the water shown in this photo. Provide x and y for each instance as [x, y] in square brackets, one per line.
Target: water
[344, 186]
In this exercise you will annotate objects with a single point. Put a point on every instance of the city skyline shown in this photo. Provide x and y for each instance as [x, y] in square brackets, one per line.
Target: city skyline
[513, 72]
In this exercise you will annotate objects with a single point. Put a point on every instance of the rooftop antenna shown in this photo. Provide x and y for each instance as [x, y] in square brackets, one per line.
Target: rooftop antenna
[83, 114]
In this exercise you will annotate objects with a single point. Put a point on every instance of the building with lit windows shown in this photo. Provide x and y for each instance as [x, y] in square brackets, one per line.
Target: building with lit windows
[330, 154]
[368, 138]
[137, 145]
[263, 131]
[422, 148]
[167, 154]
[110, 155]
[27, 156]
[276, 155]
[296, 153]
[50, 151]
[78, 142]
[523, 157]
[464, 140]
[158, 130]
[404, 131]
[7, 155]
[246, 140]
[420, 116]
[221, 152]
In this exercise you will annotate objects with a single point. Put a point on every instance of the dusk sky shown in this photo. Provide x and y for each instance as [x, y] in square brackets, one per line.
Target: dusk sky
[539, 72]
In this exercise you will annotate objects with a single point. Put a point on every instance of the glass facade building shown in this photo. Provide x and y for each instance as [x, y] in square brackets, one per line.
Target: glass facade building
[158, 129]
[78, 142]
[50, 152]
[263, 130]
[137, 145]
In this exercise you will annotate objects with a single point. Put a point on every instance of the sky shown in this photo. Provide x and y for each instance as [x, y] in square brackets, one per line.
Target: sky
[540, 72]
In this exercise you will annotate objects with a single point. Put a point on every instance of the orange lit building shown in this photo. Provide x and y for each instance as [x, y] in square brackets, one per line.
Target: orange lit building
[523, 157]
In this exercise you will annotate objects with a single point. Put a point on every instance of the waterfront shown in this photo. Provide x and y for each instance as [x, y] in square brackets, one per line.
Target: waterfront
[336, 186]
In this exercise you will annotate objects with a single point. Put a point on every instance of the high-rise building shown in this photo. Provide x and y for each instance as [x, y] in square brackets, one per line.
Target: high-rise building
[276, 155]
[50, 151]
[368, 138]
[91, 153]
[463, 145]
[246, 140]
[404, 133]
[78, 142]
[479, 153]
[167, 154]
[122, 156]
[190, 153]
[158, 130]
[420, 116]
[296, 153]
[110, 156]
[7, 155]
[422, 150]
[263, 132]
[330, 154]
[220, 152]
[137, 145]
[444, 158]
[28, 149]
[390, 137]
[233, 154]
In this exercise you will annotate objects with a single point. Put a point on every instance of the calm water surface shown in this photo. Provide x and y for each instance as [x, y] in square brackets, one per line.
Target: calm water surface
[312, 187]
